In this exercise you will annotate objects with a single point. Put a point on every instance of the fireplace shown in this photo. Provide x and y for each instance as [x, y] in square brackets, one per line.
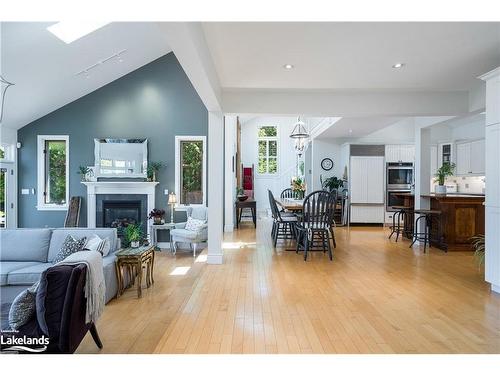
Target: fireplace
[120, 210]
[119, 214]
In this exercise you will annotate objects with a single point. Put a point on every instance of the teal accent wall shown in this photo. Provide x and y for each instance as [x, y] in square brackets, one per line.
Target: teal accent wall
[156, 101]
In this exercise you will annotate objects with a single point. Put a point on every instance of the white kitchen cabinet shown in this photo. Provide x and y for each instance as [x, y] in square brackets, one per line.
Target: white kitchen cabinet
[399, 153]
[470, 158]
[367, 179]
[434, 159]
[445, 154]
[367, 189]
[478, 156]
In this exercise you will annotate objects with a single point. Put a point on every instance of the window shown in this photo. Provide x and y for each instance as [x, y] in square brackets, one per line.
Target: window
[267, 150]
[7, 152]
[190, 164]
[53, 176]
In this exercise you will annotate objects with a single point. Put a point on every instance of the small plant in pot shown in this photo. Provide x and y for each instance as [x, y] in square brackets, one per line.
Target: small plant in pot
[240, 194]
[153, 169]
[444, 171]
[157, 215]
[84, 172]
[331, 183]
[133, 235]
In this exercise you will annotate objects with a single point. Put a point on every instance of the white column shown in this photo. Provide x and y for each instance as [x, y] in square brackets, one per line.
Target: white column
[215, 186]
[422, 166]
[492, 259]
[230, 127]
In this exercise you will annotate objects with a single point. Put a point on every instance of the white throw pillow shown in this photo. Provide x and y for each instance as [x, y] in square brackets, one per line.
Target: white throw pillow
[96, 243]
[194, 225]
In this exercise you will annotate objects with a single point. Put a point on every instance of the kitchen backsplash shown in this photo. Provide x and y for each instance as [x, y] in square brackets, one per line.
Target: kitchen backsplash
[466, 184]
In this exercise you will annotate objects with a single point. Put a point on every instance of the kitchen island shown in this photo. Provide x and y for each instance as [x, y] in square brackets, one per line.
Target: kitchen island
[462, 216]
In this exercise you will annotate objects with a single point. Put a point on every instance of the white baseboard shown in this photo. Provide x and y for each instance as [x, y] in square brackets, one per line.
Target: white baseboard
[495, 288]
[214, 259]
[228, 227]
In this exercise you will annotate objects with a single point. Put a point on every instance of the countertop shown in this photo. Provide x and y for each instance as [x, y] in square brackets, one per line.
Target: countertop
[447, 195]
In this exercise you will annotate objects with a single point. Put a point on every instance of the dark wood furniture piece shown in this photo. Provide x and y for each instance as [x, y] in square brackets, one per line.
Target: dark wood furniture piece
[61, 311]
[462, 216]
[315, 227]
[248, 204]
[400, 221]
[133, 261]
[431, 220]
[283, 223]
[73, 214]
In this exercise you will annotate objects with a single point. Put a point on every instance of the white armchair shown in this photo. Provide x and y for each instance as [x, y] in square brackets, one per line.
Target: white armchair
[193, 238]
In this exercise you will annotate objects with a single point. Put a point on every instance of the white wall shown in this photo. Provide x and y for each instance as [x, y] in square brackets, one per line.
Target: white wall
[325, 148]
[287, 156]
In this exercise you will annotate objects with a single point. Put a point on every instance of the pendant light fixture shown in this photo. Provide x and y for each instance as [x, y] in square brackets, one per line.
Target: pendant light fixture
[301, 145]
[299, 130]
[4, 85]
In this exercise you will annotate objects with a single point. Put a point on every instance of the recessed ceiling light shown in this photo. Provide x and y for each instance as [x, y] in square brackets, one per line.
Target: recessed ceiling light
[398, 65]
[288, 66]
[69, 31]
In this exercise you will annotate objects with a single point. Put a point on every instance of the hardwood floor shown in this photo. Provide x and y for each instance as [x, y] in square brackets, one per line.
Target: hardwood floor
[377, 296]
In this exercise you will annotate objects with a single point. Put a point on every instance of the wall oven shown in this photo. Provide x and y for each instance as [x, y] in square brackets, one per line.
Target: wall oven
[399, 176]
[394, 199]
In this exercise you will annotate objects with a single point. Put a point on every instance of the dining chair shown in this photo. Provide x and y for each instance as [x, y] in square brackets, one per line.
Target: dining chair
[283, 226]
[317, 222]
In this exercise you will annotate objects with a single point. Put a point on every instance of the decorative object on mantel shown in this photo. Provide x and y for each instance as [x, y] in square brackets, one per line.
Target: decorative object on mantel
[153, 169]
[172, 200]
[299, 130]
[4, 85]
[442, 172]
[298, 186]
[133, 235]
[157, 215]
[240, 194]
[86, 173]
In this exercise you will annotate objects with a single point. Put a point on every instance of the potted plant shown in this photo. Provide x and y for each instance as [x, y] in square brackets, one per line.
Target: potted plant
[153, 169]
[444, 171]
[84, 172]
[240, 194]
[133, 235]
[157, 215]
[331, 183]
[478, 243]
[298, 186]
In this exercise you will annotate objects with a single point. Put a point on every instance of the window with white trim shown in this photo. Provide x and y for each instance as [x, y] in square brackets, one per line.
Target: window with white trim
[53, 172]
[190, 170]
[267, 150]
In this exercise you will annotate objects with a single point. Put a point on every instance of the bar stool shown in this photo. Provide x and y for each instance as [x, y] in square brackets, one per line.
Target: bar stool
[425, 236]
[400, 215]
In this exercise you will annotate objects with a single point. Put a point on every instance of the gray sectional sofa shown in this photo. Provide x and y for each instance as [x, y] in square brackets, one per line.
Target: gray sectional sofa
[26, 253]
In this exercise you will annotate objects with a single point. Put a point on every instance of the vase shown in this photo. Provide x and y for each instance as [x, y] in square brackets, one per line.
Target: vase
[440, 189]
[157, 220]
[134, 244]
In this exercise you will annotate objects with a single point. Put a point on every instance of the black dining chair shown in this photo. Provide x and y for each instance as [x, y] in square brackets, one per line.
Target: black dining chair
[283, 226]
[316, 226]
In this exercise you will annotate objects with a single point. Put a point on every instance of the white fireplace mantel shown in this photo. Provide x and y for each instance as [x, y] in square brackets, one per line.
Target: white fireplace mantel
[116, 187]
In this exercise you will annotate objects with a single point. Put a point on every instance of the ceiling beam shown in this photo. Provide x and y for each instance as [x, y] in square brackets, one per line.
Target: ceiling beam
[188, 43]
[345, 103]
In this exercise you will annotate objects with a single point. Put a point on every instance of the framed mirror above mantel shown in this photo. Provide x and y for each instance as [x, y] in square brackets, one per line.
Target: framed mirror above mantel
[121, 158]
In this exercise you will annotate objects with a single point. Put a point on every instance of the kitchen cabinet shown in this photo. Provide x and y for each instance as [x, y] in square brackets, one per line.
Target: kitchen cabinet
[470, 158]
[367, 189]
[445, 154]
[399, 153]
[434, 159]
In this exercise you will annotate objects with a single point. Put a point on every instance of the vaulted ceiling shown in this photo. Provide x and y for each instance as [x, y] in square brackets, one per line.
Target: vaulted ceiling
[43, 68]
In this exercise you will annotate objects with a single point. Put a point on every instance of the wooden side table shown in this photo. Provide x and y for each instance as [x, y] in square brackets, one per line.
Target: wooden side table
[133, 261]
[240, 205]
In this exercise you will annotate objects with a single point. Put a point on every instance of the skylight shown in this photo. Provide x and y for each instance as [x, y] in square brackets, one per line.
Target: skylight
[69, 31]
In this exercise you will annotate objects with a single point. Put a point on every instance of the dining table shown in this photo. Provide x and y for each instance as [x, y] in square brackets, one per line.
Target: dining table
[290, 204]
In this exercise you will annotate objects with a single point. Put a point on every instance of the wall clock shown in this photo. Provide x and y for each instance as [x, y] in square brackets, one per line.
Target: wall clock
[327, 164]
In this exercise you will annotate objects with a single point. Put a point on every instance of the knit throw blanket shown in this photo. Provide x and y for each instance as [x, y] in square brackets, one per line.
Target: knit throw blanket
[95, 286]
